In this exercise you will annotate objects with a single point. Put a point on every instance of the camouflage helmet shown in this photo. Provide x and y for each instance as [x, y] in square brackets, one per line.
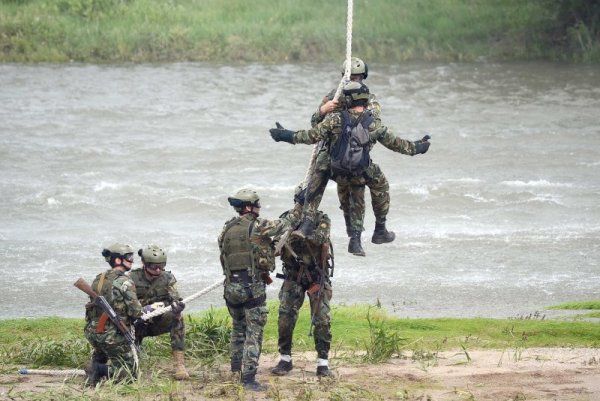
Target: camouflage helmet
[357, 67]
[153, 254]
[118, 250]
[355, 93]
[244, 197]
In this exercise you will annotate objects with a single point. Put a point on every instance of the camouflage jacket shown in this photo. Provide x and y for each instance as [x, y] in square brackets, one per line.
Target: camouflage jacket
[120, 292]
[330, 129]
[161, 289]
[260, 237]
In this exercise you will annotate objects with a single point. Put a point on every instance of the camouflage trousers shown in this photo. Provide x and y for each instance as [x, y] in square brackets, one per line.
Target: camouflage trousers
[315, 188]
[291, 298]
[113, 349]
[166, 323]
[351, 193]
[249, 317]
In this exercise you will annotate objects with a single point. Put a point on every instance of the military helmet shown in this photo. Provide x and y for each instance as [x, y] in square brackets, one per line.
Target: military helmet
[357, 67]
[118, 250]
[244, 197]
[153, 254]
[355, 93]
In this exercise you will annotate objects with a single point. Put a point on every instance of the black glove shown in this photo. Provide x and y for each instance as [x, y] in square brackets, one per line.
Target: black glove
[282, 134]
[177, 307]
[140, 325]
[422, 145]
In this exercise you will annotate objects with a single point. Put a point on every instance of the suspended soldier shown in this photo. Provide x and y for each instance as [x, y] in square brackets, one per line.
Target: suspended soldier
[306, 271]
[360, 133]
[247, 258]
[157, 288]
[113, 356]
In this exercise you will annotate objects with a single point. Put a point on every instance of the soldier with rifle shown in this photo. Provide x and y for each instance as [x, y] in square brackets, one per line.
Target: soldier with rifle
[109, 315]
[306, 271]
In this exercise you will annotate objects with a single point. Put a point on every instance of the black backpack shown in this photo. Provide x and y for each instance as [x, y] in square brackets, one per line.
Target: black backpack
[350, 155]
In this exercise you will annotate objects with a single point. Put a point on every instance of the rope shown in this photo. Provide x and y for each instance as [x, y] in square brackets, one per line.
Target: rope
[66, 372]
[158, 312]
[345, 78]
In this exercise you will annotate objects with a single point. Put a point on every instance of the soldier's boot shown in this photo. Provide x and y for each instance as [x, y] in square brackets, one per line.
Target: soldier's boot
[178, 362]
[236, 366]
[305, 229]
[381, 235]
[95, 372]
[354, 246]
[348, 225]
[282, 368]
[249, 382]
[323, 371]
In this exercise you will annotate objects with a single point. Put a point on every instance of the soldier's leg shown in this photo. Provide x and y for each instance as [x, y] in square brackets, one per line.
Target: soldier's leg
[380, 200]
[357, 214]
[322, 329]
[343, 191]
[238, 336]
[256, 319]
[177, 333]
[123, 364]
[314, 193]
[291, 298]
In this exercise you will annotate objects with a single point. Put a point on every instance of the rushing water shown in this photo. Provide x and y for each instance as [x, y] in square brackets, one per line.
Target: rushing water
[499, 219]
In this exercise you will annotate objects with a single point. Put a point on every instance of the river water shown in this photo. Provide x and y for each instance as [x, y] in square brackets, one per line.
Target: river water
[500, 218]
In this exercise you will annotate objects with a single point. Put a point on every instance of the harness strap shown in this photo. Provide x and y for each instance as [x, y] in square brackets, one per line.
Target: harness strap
[249, 304]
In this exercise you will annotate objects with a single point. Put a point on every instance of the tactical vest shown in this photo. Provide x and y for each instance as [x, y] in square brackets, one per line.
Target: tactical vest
[151, 291]
[237, 251]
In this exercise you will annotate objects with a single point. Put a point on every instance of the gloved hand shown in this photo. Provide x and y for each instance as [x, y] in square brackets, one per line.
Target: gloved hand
[422, 145]
[282, 134]
[147, 309]
[140, 324]
[177, 307]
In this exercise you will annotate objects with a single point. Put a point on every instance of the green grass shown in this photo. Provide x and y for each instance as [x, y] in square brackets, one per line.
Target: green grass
[291, 31]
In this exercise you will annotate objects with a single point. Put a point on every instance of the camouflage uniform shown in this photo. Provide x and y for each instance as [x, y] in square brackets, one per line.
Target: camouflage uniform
[110, 345]
[300, 275]
[329, 130]
[161, 289]
[244, 292]
[351, 190]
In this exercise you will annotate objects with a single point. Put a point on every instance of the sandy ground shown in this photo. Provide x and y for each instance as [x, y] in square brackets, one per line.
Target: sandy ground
[560, 374]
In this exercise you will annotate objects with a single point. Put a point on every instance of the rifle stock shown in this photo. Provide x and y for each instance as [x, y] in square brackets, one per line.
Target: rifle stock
[105, 306]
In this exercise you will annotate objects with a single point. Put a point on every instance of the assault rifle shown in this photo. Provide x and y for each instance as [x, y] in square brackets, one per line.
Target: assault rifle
[100, 301]
[322, 267]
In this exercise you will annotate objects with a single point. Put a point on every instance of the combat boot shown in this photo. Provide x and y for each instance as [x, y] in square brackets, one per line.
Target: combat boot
[282, 368]
[323, 371]
[381, 235]
[180, 371]
[348, 225]
[354, 246]
[95, 372]
[236, 366]
[249, 382]
[305, 229]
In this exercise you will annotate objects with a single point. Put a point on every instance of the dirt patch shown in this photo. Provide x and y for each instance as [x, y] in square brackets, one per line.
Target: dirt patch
[561, 374]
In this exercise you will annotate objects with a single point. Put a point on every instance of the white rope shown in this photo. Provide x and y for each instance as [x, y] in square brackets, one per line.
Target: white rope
[160, 311]
[345, 78]
[66, 372]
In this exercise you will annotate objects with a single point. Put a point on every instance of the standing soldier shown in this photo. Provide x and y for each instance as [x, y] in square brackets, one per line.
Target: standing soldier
[306, 270]
[157, 288]
[113, 355]
[246, 253]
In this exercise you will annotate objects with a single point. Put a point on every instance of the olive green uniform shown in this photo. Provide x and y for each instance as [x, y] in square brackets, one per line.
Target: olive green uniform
[161, 289]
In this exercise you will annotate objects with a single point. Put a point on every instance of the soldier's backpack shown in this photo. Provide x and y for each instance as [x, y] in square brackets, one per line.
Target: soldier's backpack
[350, 155]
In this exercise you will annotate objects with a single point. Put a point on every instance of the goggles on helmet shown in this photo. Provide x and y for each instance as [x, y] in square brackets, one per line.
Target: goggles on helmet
[128, 257]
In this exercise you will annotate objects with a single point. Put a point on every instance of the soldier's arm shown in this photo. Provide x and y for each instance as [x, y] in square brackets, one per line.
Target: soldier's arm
[318, 115]
[393, 142]
[324, 130]
[375, 108]
[172, 288]
[126, 288]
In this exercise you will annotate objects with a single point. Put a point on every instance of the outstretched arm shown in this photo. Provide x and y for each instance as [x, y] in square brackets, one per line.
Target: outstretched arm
[397, 144]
